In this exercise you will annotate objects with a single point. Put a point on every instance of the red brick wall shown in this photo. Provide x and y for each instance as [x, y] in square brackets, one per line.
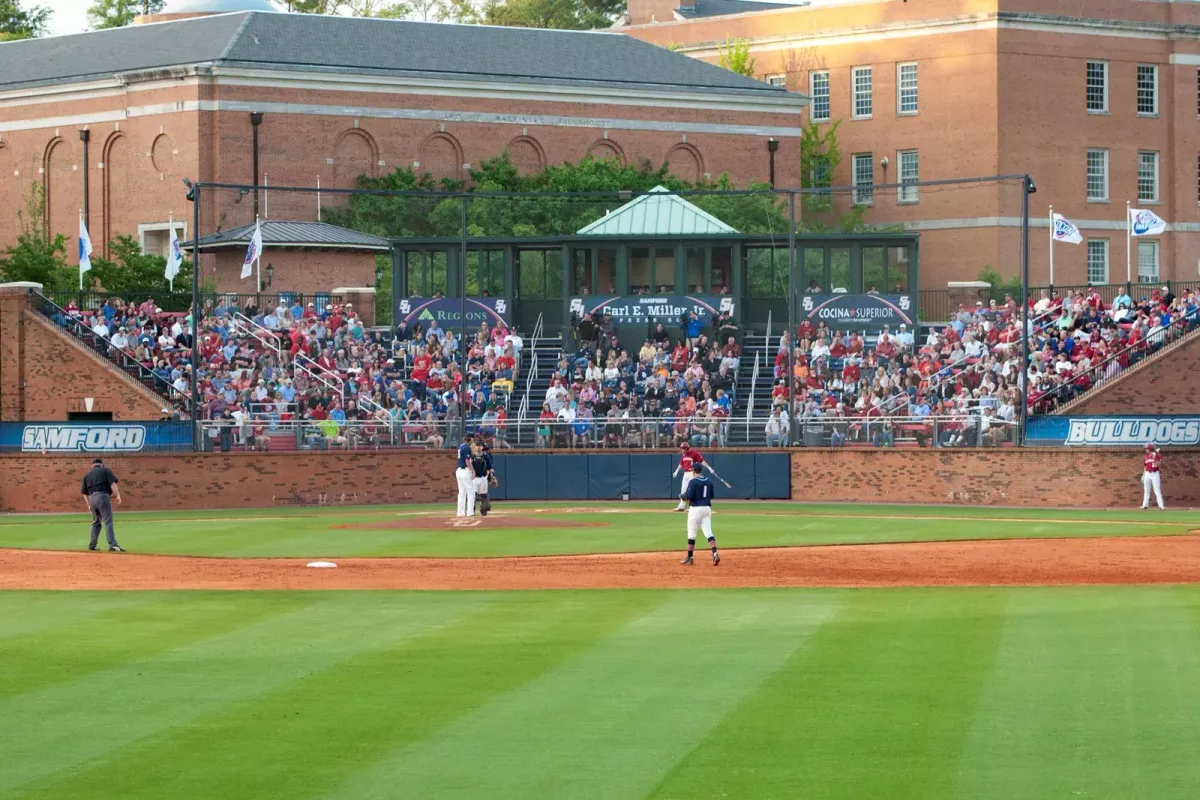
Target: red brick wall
[303, 271]
[1166, 385]
[44, 373]
[235, 480]
[999, 477]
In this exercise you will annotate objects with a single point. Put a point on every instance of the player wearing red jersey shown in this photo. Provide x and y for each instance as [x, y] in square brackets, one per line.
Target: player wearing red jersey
[688, 456]
[1152, 476]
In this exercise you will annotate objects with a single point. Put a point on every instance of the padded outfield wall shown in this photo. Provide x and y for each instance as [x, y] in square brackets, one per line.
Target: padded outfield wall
[1019, 477]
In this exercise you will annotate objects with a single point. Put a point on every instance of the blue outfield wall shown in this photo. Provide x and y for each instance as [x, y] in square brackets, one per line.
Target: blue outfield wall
[644, 476]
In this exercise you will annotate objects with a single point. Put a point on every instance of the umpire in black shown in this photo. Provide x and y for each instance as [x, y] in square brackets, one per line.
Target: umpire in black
[99, 489]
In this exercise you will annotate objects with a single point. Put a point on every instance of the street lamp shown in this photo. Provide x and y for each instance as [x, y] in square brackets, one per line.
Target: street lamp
[270, 273]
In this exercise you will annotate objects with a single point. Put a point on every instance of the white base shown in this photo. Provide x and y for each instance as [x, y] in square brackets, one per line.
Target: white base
[322, 564]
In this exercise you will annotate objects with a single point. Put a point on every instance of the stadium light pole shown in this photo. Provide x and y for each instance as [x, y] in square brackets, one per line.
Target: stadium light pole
[462, 312]
[194, 196]
[791, 319]
[1027, 188]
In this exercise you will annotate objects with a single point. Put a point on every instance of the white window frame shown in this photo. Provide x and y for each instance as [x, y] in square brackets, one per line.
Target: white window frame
[148, 227]
[901, 111]
[1103, 87]
[1153, 89]
[779, 80]
[1103, 250]
[1146, 199]
[1091, 198]
[908, 192]
[864, 196]
[868, 97]
[1152, 247]
[812, 93]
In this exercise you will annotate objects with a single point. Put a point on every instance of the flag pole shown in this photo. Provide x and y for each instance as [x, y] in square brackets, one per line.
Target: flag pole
[1128, 249]
[81, 251]
[1052, 250]
[170, 255]
[318, 198]
[258, 260]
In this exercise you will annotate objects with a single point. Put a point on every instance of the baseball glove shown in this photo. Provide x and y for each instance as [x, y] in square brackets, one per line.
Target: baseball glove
[493, 480]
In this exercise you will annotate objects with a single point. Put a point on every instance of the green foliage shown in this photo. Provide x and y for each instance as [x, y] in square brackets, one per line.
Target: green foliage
[1000, 287]
[119, 13]
[735, 56]
[37, 256]
[131, 270]
[18, 23]
[820, 156]
[560, 14]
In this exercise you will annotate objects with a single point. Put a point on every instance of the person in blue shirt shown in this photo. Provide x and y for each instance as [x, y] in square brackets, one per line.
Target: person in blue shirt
[698, 496]
[691, 329]
[464, 475]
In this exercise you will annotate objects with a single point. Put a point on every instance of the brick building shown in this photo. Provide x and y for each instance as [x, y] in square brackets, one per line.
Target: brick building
[1095, 99]
[343, 97]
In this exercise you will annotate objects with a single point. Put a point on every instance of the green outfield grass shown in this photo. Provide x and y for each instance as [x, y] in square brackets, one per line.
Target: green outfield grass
[311, 531]
[902, 693]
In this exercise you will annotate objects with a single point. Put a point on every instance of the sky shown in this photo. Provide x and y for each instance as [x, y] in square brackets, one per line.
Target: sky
[70, 16]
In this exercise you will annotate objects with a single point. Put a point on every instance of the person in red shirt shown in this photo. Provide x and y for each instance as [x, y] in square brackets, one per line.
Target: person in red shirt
[688, 456]
[806, 330]
[1152, 476]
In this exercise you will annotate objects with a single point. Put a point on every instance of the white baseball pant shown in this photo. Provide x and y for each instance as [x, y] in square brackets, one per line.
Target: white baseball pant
[480, 485]
[1152, 480]
[699, 519]
[466, 492]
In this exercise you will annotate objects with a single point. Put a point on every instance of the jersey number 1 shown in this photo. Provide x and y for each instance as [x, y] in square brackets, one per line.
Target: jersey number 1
[704, 491]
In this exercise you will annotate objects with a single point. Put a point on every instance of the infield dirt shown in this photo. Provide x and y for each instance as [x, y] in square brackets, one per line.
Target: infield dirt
[1007, 562]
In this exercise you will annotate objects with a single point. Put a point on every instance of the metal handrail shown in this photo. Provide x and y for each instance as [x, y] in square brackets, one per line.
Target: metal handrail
[753, 388]
[268, 338]
[538, 328]
[1115, 358]
[337, 384]
[105, 348]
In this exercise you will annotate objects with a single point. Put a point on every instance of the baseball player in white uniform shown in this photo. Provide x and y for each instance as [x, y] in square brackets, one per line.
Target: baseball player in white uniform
[698, 495]
[465, 477]
[1152, 475]
[688, 457]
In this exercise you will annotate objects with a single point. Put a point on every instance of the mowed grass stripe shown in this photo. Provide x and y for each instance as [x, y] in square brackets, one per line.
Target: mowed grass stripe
[1093, 694]
[609, 722]
[304, 737]
[58, 729]
[875, 705]
[31, 613]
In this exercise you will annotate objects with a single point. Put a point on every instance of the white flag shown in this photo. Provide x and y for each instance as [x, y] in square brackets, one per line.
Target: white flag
[1065, 230]
[174, 256]
[253, 252]
[1143, 222]
[85, 249]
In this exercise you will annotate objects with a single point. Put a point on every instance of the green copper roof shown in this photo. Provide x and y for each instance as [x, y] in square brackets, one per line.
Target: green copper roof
[657, 213]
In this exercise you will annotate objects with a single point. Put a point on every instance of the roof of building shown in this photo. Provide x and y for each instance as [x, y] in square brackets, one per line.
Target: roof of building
[283, 233]
[658, 212]
[721, 8]
[354, 45]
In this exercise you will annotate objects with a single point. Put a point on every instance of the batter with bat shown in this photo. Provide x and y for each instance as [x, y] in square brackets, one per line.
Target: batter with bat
[690, 457]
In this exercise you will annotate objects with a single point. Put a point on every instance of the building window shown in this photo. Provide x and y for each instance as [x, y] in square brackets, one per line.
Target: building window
[1148, 177]
[864, 179]
[1147, 89]
[908, 168]
[1097, 261]
[1097, 87]
[1147, 262]
[818, 90]
[1097, 176]
[777, 80]
[906, 88]
[155, 237]
[862, 92]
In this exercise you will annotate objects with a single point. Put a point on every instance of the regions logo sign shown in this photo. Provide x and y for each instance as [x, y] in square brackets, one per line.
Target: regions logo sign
[858, 310]
[85, 438]
[643, 309]
[448, 311]
[1115, 431]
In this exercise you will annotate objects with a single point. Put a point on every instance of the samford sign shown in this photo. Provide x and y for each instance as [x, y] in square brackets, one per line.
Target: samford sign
[645, 309]
[858, 310]
[102, 437]
[448, 311]
[1182, 431]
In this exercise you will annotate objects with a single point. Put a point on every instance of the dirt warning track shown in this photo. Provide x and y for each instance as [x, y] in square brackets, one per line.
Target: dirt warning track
[1028, 562]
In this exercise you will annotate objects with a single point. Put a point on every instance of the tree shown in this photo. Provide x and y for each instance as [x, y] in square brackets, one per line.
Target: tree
[820, 155]
[559, 14]
[16, 23]
[37, 256]
[119, 13]
[131, 270]
[735, 56]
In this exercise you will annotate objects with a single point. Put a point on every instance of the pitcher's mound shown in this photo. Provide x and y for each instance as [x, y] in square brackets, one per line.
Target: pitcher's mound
[439, 523]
